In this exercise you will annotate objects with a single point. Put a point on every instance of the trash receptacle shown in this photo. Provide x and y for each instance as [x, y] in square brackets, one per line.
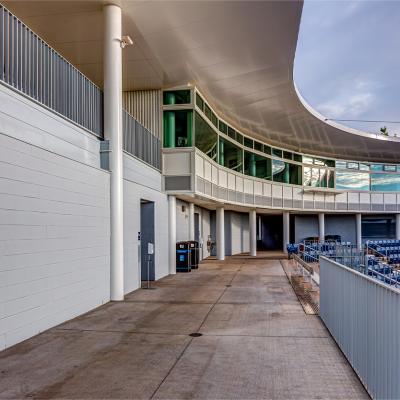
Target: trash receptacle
[194, 254]
[183, 256]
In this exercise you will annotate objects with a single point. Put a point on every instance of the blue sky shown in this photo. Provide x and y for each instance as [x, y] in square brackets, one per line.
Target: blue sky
[348, 61]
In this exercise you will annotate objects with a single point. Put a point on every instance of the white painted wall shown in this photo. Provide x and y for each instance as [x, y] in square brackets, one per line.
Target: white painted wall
[182, 220]
[54, 234]
[143, 182]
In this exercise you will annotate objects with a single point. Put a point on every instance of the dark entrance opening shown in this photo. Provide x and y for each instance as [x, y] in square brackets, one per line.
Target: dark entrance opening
[271, 233]
[147, 262]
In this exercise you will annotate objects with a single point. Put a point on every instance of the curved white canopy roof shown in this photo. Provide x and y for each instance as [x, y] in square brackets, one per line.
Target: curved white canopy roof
[239, 53]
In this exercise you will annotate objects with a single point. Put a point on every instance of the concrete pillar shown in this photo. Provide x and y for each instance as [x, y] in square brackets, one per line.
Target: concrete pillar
[321, 226]
[358, 231]
[286, 230]
[397, 226]
[220, 228]
[253, 232]
[172, 233]
[191, 221]
[112, 66]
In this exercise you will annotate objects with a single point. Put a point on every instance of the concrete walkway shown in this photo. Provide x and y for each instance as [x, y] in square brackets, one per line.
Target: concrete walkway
[256, 343]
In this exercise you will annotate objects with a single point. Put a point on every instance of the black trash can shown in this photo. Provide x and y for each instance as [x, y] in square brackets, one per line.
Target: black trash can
[183, 257]
[194, 254]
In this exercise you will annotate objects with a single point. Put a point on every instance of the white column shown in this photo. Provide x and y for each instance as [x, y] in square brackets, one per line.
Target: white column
[253, 232]
[285, 230]
[321, 226]
[220, 228]
[397, 226]
[172, 233]
[112, 65]
[191, 221]
[358, 231]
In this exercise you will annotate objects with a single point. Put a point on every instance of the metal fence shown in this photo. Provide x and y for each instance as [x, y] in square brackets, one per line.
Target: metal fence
[31, 66]
[140, 142]
[362, 314]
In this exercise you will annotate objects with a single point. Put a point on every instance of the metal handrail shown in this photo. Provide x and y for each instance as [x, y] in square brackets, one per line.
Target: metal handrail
[30, 66]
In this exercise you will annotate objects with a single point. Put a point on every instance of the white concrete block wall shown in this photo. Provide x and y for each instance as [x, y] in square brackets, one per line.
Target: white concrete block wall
[142, 182]
[23, 119]
[54, 233]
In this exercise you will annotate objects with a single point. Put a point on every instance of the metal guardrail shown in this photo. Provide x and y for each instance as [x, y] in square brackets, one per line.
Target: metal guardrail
[362, 314]
[140, 142]
[28, 64]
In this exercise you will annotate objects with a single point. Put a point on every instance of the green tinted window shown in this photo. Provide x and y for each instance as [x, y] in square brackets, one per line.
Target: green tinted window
[258, 146]
[230, 155]
[257, 166]
[206, 137]
[277, 152]
[207, 111]
[280, 171]
[231, 133]
[176, 97]
[376, 167]
[267, 149]
[288, 155]
[295, 174]
[199, 102]
[348, 180]
[178, 128]
[248, 142]
[239, 137]
[385, 182]
[214, 120]
[297, 157]
[223, 127]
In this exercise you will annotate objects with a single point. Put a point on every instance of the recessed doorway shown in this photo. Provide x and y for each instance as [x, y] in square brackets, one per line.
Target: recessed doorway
[147, 262]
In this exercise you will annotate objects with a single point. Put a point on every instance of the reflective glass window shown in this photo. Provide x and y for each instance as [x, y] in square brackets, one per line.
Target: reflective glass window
[230, 155]
[385, 182]
[297, 157]
[199, 102]
[307, 160]
[280, 171]
[178, 126]
[206, 137]
[341, 164]
[352, 165]
[223, 127]
[389, 168]
[257, 165]
[352, 180]
[214, 120]
[277, 152]
[315, 177]
[295, 174]
[331, 179]
[267, 149]
[323, 178]
[258, 146]
[364, 167]
[288, 155]
[239, 137]
[307, 176]
[176, 97]
[325, 162]
[248, 142]
[207, 111]
[376, 167]
[231, 132]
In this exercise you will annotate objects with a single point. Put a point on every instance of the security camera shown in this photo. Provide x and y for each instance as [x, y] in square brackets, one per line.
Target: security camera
[126, 41]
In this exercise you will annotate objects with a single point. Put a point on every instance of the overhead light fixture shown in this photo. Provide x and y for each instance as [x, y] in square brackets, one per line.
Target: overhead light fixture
[126, 41]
